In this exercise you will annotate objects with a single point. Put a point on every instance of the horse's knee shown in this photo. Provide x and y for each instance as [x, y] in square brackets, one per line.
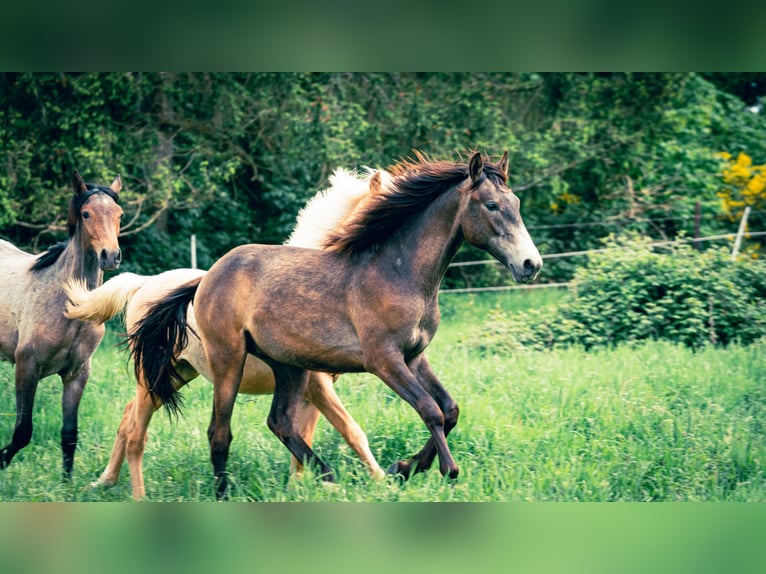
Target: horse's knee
[135, 446]
[431, 414]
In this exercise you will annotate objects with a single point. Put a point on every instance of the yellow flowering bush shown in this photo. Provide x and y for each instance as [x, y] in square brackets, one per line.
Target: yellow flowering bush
[745, 184]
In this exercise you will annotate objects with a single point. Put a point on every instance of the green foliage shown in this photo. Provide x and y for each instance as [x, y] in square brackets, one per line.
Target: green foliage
[233, 157]
[632, 292]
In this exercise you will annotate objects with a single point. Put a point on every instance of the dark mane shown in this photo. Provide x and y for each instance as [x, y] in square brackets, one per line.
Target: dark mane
[50, 256]
[416, 184]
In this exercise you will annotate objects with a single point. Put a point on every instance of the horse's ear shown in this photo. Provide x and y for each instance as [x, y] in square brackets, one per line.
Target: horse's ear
[116, 185]
[78, 185]
[503, 164]
[375, 183]
[475, 167]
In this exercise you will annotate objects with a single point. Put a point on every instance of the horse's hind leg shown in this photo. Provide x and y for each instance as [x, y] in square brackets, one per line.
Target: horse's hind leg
[422, 460]
[27, 377]
[112, 471]
[291, 383]
[227, 375]
[322, 394]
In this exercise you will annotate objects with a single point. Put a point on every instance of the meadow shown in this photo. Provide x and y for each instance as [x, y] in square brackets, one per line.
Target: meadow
[644, 422]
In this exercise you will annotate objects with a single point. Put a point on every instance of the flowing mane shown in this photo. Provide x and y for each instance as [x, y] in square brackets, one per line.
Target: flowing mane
[415, 185]
[328, 208]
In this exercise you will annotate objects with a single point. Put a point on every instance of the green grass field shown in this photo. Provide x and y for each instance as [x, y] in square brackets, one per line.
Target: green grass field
[636, 423]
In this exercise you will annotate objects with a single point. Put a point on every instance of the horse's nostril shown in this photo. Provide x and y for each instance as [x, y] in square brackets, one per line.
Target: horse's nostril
[104, 256]
[118, 257]
[529, 267]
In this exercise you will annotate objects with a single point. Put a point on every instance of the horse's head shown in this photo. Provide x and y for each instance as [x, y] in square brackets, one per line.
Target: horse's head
[95, 211]
[492, 221]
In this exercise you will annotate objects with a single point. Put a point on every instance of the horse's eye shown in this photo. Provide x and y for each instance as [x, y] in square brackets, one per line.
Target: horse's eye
[85, 215]
[491, 205]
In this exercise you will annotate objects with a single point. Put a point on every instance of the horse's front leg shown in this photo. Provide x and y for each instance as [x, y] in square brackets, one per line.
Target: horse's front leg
[388, 364]
[27, 376]
[422, 460]
[74, 385]
[283, 419]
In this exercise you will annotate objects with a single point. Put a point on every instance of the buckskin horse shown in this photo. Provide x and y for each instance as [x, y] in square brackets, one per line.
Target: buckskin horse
[34, 333]
[367, 302]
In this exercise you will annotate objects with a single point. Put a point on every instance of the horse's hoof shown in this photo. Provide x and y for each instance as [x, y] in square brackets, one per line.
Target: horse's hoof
[222, 487]
[400, 470]
[5, 460]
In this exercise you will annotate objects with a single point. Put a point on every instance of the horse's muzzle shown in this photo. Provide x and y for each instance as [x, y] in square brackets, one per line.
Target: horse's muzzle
[110, 260]
[527, 271]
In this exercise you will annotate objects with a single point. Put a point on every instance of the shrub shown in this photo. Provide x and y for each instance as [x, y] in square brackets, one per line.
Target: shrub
[634, 292]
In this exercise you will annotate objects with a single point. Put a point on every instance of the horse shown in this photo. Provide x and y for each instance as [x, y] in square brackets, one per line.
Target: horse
[134, 293]
[367, 302]
[34, 333]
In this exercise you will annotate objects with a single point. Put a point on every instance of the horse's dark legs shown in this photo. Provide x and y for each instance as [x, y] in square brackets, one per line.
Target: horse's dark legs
[422, 460]
[291, 383]
[211, 426]
[27, 377]
[74, 385]
[391, 368]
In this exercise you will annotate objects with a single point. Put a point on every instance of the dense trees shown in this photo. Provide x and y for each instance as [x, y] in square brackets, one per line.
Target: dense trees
[233, 157]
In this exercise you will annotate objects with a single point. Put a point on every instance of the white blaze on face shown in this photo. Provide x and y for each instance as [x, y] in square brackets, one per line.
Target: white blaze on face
[527, 259]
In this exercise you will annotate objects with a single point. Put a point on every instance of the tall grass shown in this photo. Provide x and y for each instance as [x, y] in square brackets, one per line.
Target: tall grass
[649, 422]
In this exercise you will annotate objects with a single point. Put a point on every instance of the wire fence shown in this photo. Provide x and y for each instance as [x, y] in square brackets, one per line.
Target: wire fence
[729, 236]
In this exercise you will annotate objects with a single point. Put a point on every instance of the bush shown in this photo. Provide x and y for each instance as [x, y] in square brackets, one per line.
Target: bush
[633, 292]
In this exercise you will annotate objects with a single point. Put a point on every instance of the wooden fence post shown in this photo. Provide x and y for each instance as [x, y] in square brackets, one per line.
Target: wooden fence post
[193, 251]
[740, 233]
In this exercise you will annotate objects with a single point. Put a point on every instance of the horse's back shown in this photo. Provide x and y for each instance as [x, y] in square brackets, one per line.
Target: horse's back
[253, 288]
[15, 290]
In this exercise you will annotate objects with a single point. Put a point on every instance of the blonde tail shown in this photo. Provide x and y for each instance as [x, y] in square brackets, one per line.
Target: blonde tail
[103, 303]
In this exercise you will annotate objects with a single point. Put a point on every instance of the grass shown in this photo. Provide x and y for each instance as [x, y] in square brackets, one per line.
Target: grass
[635, 423]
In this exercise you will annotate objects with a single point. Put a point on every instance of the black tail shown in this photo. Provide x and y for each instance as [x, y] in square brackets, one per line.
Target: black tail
[157, 341]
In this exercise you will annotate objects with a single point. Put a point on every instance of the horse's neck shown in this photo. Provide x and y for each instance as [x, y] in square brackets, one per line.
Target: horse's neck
[426, 245]
[74, 263]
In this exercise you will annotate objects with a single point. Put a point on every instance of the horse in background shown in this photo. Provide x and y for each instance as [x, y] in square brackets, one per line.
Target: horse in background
[34, 333]
[135, 293]
[367, 302]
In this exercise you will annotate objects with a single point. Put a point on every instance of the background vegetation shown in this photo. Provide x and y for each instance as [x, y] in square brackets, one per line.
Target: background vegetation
[233, 157]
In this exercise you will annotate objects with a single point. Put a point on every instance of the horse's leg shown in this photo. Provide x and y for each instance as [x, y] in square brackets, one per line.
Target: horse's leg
[423, 459]
[137, 431]
[306, 419]
[27, 376]
[112, 471]
[322, 393]
[136, 440]
[291, 383]
[388, 364]
[74, 384]
[227, 375]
